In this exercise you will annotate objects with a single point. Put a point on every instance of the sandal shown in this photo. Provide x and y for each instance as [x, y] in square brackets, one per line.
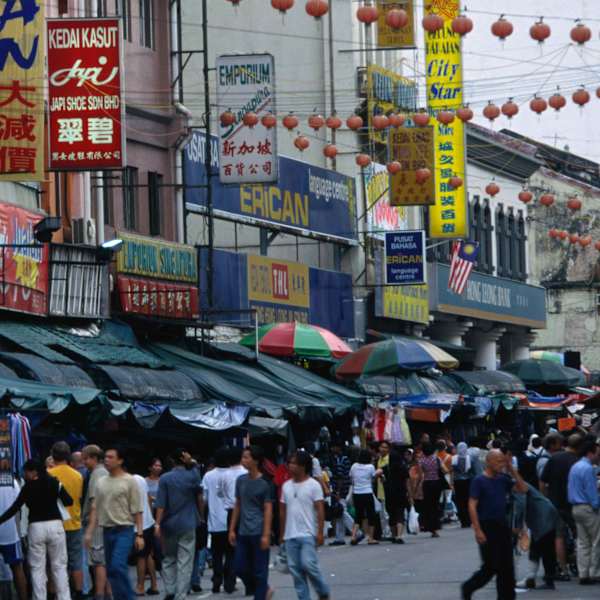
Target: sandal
[373, 543]
[354, 542]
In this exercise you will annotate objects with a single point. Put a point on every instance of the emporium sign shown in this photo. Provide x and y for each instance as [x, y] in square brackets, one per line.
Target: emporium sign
[22, 90]
[85, 99]
[246, 84]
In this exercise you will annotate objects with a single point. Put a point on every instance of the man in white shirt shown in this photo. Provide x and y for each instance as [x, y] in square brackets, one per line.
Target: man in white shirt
[302, 518]
[214, 489]
[235, 470]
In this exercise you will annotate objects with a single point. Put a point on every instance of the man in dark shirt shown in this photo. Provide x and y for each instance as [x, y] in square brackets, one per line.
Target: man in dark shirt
[340, 480]
[488, 511]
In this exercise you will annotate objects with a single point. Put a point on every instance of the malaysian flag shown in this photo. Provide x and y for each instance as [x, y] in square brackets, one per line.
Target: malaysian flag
[464, 257]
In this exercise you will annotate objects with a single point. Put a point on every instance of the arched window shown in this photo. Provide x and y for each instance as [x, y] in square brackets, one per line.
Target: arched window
[502, 257]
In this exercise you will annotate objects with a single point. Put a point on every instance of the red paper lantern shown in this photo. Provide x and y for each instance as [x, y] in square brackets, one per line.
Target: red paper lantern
[445, 117]
[540, 31]
[250, 119]
[380, 122]
[547, 200]
[282, 5]
[585, 241]
[510, 109]
[492, 189]
[465, 114]
[234, 2]
[455, 182]
[316, 122]
[553, 233]
[574, 204]
[581, 34]
[525, 196]
[396, 18]
[334, 122]
[269, 121]
[421, 119]
[502, 28]
[573, 238]
[538, 105]
[317, 8]
[396, 120]
[597, 246]
[330, 151]
[367, 14]
[290, 122]
[302, 143]
[581, 97]
[394, 167]
[557, 101]
[363, 160]
[462, 25]
[354, 122]
[491, 112]
[432, 23]
[227, 118]
[563, 235]
[422, 175]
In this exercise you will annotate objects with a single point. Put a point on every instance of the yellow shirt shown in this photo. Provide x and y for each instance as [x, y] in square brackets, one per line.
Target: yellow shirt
[72, 481]
[383, 461]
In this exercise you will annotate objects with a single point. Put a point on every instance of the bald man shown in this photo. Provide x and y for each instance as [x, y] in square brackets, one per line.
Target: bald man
[488, 507]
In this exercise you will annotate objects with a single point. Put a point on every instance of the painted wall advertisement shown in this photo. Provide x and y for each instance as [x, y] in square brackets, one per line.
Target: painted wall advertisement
[388, 93]
[22, 91]
[404, 259]
[381, 216]
[23, 262]
[84, 94]
[389, 37]
[157, 278]
[304, 199]
[246, 84]
[444, 73]
[413, 148]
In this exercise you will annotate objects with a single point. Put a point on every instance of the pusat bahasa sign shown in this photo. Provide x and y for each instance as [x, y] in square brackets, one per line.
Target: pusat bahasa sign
[404, 262]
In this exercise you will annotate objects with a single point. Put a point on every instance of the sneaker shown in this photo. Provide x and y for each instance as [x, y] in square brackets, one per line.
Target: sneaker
[526, 584]
[338, 543]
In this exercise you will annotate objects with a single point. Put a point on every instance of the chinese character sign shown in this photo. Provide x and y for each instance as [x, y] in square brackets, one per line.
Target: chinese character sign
[399, 37]
[443, 58]
[85, 104]
[413, 148]
[246, 84]
[22, 90]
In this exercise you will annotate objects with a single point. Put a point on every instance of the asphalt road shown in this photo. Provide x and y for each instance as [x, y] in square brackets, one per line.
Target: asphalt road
[422, 569]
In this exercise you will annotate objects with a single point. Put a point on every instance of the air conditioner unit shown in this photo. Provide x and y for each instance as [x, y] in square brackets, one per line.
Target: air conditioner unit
[84, 231]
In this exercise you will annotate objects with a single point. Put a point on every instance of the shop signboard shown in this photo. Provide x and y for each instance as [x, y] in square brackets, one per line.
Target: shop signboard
[404, 258]
[444, 80]
[246, 84]
[22, 91]
[390, 37]
[413, 148]
[306, 200]
[157, 278]
[23, 262]
[85, 108]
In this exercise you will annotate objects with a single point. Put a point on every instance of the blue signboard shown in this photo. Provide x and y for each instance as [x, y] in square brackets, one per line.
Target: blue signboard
[306, 199]
[488, 297]
[405, 258]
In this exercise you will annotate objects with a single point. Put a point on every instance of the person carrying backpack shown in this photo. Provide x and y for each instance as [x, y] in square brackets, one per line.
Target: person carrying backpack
[462, 474]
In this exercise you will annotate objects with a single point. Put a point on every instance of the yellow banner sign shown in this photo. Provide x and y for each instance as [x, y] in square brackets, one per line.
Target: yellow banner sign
[22, 91]
[389, 37]
[388, 93]
[278, 282]
[443, 61]
[407, 303]
[413, 148]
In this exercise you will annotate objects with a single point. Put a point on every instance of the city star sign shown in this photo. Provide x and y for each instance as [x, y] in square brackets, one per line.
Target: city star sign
[405, 258]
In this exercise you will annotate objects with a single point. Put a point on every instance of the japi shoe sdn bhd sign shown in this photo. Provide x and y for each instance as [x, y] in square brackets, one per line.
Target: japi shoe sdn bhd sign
[86, 129]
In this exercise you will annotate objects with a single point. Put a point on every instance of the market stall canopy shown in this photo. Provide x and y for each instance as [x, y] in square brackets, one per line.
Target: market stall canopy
[394, 357]
[297, 339]
[544, 373]
[483, 383]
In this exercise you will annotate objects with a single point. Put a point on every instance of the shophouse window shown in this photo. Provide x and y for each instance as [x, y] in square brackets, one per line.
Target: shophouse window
[147, 23]
[520, 242]
[482, 231]
[107, 182]
[510, 244]
[130, 188]
[155, 181]
[124, 11]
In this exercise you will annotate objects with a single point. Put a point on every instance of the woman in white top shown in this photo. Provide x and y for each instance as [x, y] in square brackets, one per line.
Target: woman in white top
[362, 475]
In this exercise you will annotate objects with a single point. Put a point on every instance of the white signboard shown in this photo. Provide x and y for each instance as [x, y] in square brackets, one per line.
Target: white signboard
[246, 84]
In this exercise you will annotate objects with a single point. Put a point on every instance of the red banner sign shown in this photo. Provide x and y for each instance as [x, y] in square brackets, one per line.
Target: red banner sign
[84, 89]
[158, 298]
[23, 263]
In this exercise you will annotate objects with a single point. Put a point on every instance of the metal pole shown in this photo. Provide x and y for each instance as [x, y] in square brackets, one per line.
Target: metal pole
[256, 333]
[332, 80]
[207, 155]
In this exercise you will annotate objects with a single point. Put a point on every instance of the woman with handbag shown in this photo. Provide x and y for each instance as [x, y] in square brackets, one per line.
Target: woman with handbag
[45, 498]
[434, 483]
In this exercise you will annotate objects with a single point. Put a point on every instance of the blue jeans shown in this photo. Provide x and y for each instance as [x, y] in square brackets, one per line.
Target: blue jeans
[118, 542]
[304, 565]
[252, 565]
[199, 565]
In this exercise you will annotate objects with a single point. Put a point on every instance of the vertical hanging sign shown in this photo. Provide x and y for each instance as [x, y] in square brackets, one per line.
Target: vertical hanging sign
[85, 99]
[22, 91]
[443, 58]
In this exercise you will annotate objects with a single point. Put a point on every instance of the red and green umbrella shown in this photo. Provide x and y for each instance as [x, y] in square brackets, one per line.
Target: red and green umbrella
[297, 339]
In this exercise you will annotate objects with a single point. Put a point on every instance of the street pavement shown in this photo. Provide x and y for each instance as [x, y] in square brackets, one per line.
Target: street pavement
[422, 569]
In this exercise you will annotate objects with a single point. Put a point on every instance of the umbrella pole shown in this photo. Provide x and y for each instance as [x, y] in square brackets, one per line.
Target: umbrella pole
[256, 333]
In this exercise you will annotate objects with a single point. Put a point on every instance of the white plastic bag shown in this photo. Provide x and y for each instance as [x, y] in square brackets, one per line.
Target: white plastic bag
[413, 521]
[377, 504]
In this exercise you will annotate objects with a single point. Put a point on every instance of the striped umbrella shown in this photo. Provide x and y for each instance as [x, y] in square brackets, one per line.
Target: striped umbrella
[297, 339]
[392, 357]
